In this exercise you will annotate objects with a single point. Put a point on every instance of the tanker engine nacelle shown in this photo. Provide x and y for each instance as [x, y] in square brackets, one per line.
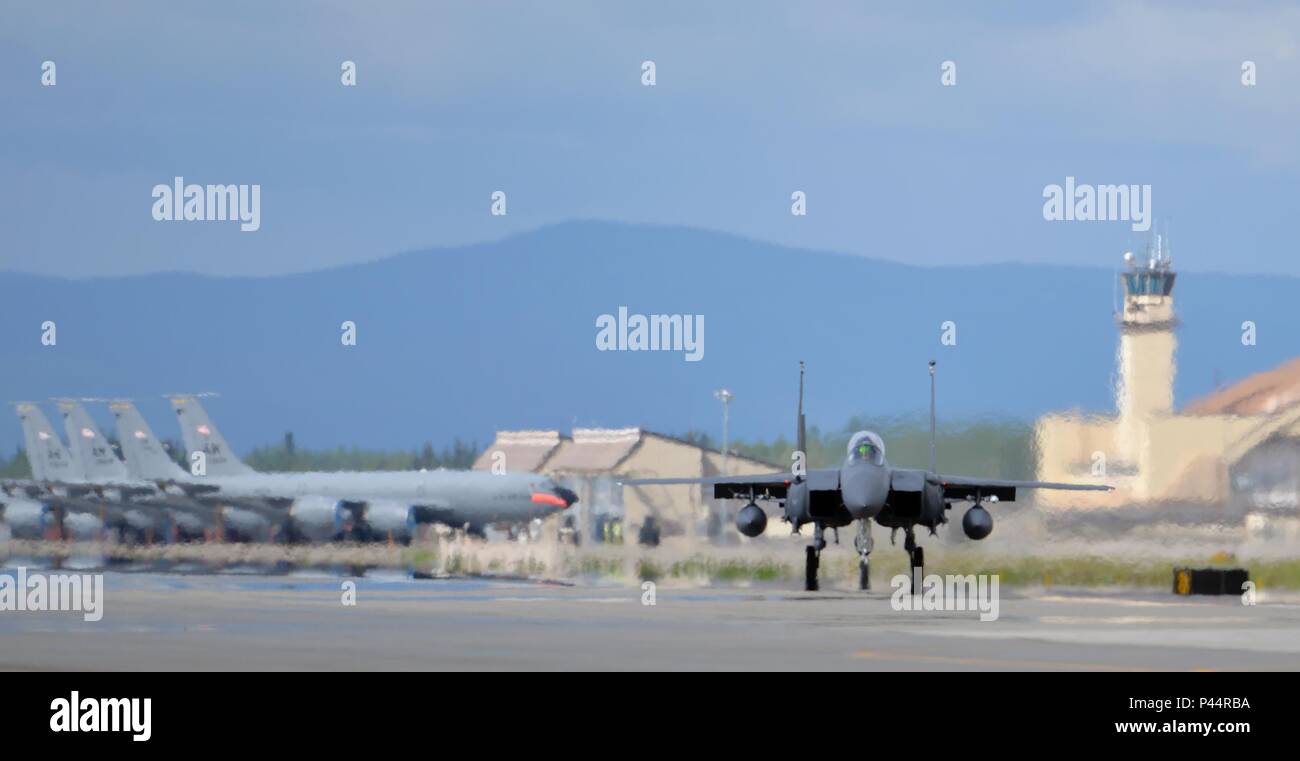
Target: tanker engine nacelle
[28, 519]
[318, 518]
[389, 518]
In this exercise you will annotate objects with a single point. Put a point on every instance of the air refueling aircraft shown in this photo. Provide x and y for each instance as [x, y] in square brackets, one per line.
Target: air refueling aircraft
[148, 461]
[150, 493]
[864, 488]
[379, 502]
[78, 491]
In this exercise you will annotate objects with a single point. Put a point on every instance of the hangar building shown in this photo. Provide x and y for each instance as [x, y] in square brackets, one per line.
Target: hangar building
[592, 461]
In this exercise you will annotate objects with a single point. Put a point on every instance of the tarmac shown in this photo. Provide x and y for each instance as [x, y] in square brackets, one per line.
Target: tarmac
[155, 621]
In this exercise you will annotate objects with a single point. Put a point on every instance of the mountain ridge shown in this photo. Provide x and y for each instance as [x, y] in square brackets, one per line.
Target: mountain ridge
[464, 340]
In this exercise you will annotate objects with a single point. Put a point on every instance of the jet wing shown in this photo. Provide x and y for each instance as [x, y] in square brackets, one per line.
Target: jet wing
[965, 488]
[769, 485]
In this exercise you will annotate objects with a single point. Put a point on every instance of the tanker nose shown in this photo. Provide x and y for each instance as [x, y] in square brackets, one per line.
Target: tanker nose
[556, 496]
[569, 496]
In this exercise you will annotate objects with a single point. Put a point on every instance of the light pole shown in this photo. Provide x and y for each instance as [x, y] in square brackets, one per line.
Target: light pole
[933, 465]
[724, 396]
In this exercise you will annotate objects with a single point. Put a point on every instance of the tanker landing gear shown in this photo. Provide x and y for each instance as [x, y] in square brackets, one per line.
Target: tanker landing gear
[863, 543]
[917, 558]
[812, 557]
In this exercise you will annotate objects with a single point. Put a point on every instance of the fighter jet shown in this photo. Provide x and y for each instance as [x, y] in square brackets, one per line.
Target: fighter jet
[864, 488]
[367, 505]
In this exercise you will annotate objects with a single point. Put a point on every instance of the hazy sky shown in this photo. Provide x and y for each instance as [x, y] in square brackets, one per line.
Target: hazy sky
[544, 101]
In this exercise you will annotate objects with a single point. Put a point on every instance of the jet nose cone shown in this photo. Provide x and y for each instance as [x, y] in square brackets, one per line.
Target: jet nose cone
[863, 490]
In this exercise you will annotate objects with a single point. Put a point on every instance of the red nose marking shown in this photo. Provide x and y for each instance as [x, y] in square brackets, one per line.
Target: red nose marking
[548, 499]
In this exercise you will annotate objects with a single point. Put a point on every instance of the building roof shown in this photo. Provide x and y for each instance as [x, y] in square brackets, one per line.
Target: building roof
[595, 449]
[732, 454]
[523, 450]
[1260, 394]
[589, 450]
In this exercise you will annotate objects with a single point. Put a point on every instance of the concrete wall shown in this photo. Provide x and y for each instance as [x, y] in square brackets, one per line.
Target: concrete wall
[1066, 446]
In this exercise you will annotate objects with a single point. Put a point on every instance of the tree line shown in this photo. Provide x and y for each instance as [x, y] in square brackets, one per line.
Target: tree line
[286, 456]
[992, 448]
[987, 447]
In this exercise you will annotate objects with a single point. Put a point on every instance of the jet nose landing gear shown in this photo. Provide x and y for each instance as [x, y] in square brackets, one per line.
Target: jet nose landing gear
[863, 543]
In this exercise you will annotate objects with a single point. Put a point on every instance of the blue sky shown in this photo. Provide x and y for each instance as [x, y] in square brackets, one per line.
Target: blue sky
[544, 101]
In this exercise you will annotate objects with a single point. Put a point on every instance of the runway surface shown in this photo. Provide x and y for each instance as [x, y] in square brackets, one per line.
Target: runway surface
[181, 622]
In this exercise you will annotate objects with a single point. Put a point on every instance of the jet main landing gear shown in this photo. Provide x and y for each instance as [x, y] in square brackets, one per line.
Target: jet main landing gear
[916, 556]
[812, 558]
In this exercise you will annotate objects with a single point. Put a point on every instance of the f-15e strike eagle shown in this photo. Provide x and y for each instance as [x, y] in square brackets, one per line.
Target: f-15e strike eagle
[864, 488]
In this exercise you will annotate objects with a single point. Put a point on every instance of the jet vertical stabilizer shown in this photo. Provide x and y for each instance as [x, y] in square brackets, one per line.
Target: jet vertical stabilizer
[200, 435]
[146, 459]
[49, 458]
[92, 455]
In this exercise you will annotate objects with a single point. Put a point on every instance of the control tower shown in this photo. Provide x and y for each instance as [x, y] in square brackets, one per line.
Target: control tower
[1147, 345]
